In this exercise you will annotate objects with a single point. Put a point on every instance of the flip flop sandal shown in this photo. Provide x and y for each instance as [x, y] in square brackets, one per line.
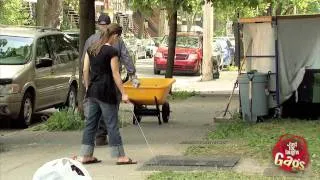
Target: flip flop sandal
[94, 160]
[127, 162]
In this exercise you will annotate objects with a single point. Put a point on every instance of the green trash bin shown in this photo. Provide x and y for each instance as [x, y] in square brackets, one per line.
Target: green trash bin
[258, 106]
[316, 88]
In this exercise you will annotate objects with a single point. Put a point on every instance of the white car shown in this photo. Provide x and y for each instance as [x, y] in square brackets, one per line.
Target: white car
[141, 49]
[136, 47]
[150, 47]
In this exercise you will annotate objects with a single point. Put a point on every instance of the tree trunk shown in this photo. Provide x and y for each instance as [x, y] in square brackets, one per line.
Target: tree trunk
[270, 9]
[49, 13]
[207, 42]
[87, 28]
[172, 43]
[238, 42]
[162, 23]
[140, 19]
[190, 22]
[279, 8]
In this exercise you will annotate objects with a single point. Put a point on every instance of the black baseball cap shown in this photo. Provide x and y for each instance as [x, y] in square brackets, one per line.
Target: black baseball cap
[104, 19]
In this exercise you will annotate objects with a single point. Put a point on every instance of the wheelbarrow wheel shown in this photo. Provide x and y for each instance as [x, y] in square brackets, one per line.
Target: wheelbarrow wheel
[134, 119]
[165, 112]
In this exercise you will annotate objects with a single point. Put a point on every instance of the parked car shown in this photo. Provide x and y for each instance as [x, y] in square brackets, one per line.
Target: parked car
[135, 47]
[141, 49]
[157, 40]
[130, 43]
[150, 47]
[74, 36]
[38, 70]
[217, 60]
[188, 58]
[217, 53]
[227, 50]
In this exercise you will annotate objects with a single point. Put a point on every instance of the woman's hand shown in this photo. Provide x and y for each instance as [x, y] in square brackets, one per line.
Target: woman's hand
[125, 98]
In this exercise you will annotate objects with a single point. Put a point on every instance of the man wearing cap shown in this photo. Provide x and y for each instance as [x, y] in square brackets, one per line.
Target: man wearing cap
[125, 59]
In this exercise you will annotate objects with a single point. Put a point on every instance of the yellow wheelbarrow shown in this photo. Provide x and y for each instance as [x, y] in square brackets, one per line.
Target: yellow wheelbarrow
[152, 91]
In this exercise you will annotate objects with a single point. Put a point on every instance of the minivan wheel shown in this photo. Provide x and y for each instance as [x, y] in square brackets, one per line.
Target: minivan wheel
[72, 98]
[26, 110]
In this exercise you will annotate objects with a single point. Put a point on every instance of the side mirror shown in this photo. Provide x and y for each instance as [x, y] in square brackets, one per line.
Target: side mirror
[44, 62]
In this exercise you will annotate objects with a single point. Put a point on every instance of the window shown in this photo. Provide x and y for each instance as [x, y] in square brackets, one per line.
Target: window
[15, 50]
[184, 41]
[62, 49]
[42, 49]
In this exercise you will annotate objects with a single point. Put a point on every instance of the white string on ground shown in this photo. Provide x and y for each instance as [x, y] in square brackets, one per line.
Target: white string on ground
[145, 138]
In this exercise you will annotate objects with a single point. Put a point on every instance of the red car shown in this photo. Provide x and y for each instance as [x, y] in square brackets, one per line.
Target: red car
[188, 58]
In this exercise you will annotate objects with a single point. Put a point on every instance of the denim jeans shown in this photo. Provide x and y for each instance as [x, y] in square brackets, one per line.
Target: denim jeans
[93, 110]
[102, 131]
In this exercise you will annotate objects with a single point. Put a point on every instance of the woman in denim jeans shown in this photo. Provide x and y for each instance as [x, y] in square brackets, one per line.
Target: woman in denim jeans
[101, 78]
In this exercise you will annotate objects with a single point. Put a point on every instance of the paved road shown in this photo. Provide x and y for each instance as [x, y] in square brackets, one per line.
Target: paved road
[184, 82]
[144, 67]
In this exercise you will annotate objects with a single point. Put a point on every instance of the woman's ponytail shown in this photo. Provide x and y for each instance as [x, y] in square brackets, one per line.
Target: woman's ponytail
[105, 35]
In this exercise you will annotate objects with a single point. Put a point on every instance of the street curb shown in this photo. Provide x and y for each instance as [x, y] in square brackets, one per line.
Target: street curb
[211, 93]
[218, 93]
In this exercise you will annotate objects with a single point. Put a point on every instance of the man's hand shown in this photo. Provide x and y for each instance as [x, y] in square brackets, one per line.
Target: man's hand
[135, 81]
[125, 98]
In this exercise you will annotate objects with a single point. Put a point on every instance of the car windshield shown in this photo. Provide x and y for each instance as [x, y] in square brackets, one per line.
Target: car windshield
[184, 41]
[14, 50]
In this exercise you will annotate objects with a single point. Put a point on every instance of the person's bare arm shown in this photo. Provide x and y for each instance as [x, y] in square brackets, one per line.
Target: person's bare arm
[117, 78]
[86, 69]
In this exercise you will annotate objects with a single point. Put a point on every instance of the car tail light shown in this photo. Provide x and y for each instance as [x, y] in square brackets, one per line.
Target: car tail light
[158, 55]
[193, 56]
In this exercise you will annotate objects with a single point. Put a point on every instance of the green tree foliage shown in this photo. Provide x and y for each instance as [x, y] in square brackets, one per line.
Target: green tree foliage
[287, 7]
[11, 12]
[190, 15]
[227, 10]
[73, 3]
[172, 7]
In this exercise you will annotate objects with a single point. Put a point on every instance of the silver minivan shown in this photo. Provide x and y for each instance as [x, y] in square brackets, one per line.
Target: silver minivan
[38, 70]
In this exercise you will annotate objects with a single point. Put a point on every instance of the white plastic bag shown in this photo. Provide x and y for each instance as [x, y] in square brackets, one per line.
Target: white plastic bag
[62, 169]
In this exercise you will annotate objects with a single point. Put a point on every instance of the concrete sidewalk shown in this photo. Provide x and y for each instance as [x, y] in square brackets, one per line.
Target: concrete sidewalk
[191, 119]
[223, 85]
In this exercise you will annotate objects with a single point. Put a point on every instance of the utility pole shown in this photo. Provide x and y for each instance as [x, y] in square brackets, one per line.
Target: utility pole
[207, 41]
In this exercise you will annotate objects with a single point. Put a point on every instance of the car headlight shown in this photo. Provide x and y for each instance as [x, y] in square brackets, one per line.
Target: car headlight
[193, 56]
[9, 89]
[158, 55]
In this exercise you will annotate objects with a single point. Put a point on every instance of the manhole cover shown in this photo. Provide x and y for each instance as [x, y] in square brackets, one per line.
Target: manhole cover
[205, 142]
[219, 162]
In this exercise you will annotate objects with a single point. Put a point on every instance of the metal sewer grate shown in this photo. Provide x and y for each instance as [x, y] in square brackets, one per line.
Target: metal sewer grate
[219, 162]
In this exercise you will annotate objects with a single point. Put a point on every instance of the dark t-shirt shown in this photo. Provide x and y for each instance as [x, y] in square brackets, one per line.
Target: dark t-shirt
[102, 85]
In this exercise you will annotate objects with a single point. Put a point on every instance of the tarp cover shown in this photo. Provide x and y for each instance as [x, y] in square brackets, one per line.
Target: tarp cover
[299, 49]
